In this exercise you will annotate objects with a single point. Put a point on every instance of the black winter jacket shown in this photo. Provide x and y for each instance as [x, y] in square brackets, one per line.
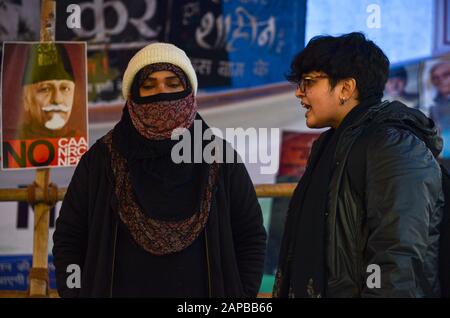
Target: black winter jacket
[86, 231]
[390, 217]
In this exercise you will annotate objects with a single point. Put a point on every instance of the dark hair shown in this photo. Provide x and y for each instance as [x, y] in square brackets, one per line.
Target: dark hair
[399, 72]
[347, 56]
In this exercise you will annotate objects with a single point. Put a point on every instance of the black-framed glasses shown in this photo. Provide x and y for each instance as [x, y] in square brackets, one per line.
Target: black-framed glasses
[307, 81]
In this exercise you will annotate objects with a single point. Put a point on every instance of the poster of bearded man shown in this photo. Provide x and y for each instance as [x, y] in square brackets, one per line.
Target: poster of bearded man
[44, 104]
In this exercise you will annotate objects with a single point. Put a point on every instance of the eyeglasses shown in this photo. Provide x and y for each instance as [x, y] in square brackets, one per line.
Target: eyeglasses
[307, 81]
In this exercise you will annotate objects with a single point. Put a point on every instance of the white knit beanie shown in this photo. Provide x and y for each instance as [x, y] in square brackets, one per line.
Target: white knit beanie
[158, 53]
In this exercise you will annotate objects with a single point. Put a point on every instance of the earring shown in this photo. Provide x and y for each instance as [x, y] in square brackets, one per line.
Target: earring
[342, 100]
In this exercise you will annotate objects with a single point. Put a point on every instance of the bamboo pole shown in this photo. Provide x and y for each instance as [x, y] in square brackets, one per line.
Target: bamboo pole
[275, 190]
[53, 293]
[39, 286]
[48, 18]
[262, 191]
[21, 195]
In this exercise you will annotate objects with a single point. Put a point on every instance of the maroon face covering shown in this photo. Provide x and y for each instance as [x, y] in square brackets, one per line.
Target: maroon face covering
[157, 120]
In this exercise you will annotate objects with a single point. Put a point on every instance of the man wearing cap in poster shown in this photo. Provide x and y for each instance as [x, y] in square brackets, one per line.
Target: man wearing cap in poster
[47, 93]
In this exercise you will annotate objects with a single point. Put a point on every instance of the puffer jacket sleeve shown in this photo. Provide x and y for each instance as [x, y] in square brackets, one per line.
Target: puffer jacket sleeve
[403, 187]
[249, 235]
[71, 231]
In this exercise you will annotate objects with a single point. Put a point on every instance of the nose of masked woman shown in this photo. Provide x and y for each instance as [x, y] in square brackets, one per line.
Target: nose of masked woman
[161, 99]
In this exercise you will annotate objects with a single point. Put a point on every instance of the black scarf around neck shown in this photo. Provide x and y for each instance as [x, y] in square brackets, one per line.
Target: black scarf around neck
[302, 266]
[164, 190]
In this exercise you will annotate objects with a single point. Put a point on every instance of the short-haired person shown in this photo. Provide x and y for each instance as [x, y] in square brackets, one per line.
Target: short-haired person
[364, 218]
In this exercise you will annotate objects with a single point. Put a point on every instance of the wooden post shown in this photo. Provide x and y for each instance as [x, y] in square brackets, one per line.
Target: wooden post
[48, 18]
[38, 285]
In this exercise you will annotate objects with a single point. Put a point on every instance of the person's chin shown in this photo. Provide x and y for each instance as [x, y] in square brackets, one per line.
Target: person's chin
[315, 125]
[310, 122]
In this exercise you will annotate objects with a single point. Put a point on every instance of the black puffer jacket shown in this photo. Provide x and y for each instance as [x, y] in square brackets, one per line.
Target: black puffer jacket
[389, 214]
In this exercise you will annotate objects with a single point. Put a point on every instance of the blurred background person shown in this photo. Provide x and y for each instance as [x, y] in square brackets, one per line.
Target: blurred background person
[395, 88]
[440, 110]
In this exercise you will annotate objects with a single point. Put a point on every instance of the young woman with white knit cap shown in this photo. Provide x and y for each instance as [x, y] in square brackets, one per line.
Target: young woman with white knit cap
[140, 225]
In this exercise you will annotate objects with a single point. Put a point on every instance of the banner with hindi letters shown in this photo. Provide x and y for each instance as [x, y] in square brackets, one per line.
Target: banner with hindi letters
[232, 44]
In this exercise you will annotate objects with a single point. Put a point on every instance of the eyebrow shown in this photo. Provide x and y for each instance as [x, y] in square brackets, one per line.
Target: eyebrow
[42, 84]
